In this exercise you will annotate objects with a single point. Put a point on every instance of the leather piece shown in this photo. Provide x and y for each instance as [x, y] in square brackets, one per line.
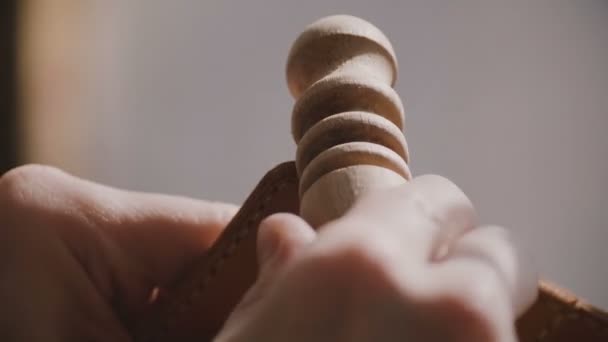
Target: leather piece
[560, 316]
[196, 306]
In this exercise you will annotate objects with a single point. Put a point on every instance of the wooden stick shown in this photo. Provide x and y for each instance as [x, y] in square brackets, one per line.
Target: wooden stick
[347, 120]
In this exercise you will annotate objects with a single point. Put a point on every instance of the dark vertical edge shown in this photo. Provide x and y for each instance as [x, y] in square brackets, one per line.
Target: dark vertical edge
[8, 85]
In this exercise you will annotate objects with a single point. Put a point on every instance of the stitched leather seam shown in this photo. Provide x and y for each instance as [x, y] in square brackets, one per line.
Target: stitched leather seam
[564, 314]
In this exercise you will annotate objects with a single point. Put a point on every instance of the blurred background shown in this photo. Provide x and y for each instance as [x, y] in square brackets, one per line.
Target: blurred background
[507, 98]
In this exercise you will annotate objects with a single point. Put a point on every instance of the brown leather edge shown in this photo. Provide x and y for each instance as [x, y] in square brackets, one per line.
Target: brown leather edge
[198, 304]
[561, 316]
[196, 307]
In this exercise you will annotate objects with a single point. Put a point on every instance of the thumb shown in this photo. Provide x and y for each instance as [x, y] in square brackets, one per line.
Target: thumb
[281, 237]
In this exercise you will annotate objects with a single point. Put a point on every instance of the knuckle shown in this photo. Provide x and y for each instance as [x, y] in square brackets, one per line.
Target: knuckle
[365, 254]
[417, 202]
[478, 301]
[472, 297]
[438, 182]
[433, 178]
[365, 261]
[439, 186]
[467, 323]
[404, 198]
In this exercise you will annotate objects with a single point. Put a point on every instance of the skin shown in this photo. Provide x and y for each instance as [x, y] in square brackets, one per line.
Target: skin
[78, 262]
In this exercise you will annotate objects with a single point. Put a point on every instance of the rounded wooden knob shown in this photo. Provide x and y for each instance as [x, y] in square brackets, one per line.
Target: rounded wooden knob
[347, 119]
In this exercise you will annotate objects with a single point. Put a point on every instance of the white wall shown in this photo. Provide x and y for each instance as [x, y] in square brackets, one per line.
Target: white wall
[507, 98]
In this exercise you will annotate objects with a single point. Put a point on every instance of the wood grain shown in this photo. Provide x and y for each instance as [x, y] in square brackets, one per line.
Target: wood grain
[347, 119]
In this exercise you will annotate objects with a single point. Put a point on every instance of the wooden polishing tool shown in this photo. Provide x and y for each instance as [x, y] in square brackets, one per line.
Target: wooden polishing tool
[347, 120]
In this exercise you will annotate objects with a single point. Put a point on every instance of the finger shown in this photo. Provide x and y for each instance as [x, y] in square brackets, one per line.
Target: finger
[162, 234]
[127, 242]
[426, 214]
[475, 293]
[494, 247]
[280, 236]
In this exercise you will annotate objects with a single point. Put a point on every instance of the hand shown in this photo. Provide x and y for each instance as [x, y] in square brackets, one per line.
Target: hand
[78, 261]
[409, 264]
